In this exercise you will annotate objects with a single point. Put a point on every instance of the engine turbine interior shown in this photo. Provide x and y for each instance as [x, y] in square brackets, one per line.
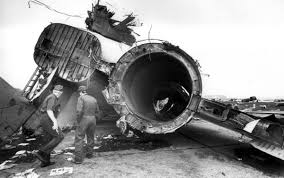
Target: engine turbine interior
[156, 86]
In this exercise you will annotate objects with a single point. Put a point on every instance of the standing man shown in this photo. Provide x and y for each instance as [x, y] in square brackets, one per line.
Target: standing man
[87, 112]
[49, 111]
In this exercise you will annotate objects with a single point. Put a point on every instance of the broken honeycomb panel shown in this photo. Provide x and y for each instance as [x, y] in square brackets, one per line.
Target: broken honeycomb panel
[70, 49]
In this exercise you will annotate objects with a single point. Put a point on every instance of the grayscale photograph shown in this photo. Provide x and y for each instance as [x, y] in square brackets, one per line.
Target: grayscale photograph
[132, 88]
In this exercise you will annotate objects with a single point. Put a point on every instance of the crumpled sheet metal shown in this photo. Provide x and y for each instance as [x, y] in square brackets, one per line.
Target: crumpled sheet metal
[29, 173]
[147, 127]
[268, 148]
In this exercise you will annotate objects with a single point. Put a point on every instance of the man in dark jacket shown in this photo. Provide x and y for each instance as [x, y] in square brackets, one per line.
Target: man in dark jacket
[87, 112]
[49, 112]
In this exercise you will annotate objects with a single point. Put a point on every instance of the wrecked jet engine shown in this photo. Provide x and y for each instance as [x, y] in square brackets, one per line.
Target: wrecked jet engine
[155, 87]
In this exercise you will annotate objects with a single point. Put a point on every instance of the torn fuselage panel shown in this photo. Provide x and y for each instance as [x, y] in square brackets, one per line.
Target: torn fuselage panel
[75, 52]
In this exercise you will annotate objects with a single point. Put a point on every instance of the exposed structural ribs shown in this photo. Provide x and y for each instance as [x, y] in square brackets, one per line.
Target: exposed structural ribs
[74, 51]
[155, 87]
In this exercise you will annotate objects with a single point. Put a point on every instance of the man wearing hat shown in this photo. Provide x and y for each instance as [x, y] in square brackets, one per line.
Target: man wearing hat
[87, 112]
[49, 112]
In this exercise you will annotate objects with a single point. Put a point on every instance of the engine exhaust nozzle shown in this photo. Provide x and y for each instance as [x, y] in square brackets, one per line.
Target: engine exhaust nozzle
[155, 87]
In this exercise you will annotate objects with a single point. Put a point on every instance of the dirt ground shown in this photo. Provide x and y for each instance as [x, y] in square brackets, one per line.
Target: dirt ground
[199, 149]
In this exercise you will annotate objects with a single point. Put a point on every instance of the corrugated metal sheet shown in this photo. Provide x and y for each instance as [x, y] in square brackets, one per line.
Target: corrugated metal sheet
[69, 48]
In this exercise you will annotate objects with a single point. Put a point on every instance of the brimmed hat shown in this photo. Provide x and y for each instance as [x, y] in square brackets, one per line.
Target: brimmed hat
[82, 88]
[58, 87]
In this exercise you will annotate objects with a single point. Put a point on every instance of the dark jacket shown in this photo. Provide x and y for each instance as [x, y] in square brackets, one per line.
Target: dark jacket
[87, 106]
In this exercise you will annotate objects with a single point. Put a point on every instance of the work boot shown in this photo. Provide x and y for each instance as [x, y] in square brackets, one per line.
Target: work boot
[89, 155]
[47, 156]
[41, 156]
[45, 164]
[76, 161]
[44, 158]
[48, 163]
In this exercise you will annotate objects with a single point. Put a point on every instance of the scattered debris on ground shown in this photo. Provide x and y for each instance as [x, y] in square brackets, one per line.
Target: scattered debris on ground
[6, 165]
[19, 151]
[27, 174]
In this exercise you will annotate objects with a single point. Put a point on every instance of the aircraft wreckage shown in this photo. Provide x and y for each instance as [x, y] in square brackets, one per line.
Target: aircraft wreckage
[153, 86]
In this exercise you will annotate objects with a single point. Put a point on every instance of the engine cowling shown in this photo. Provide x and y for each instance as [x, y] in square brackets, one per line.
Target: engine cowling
[155, 87]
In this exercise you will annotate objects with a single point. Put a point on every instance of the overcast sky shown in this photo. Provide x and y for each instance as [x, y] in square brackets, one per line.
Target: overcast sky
[239, 43]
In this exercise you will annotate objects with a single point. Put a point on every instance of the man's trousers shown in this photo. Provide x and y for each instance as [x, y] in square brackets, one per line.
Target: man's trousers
[55, 137]
[86, 126]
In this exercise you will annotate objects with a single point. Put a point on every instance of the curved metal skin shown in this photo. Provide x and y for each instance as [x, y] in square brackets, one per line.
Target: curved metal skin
[73, 51]
[155, 75]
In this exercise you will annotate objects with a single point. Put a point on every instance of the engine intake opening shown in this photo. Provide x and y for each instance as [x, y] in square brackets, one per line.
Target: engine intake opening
[157, 86]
